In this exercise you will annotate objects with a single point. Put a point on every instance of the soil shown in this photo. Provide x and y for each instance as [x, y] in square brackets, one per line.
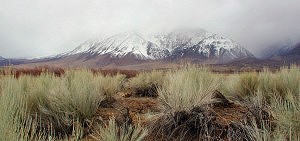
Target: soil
[145, 111]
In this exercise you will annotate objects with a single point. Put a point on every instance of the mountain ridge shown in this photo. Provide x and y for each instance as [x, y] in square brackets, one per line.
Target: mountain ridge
[169, 46]
[133, 48]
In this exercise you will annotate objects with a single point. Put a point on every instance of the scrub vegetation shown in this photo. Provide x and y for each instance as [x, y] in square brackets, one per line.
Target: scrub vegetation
[190, 103]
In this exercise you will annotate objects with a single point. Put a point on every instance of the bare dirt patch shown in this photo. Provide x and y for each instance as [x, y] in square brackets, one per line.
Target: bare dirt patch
[219, 121]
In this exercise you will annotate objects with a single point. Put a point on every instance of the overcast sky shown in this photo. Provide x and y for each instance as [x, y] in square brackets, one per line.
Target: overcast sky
[34, 28]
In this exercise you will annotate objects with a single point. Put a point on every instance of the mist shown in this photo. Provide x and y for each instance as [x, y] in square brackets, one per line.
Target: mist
[35, 28]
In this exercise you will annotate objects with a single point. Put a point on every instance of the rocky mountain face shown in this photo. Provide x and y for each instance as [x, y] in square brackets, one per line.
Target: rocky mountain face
[281, 54]
[176, 45]
[290, 56]
[296, 50]
[293, 50]
[286, 48]
[287, 51]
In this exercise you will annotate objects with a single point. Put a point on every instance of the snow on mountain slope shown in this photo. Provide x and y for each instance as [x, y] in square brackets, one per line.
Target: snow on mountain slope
[123, 44]
[178, 38]
[120, 45]
[84, 47]
[216, 45]
[163, 45]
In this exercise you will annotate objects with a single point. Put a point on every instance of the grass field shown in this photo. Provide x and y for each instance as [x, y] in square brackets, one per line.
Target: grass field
[190, 103]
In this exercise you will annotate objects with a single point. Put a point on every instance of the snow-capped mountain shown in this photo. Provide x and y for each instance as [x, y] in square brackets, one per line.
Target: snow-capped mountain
[84, 47]
[121, 45]
[173, 45]
[214, 46]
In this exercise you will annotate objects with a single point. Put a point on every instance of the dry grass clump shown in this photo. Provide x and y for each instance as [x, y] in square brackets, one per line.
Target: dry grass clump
[288, 82]
[279, 84]
[15, 122]
[12, 110]
[198, 124]
[181, 96]
[277, 92]
[111, 84]
[146, 83]
[187, 88]
[47, 107]
[61, 102]
[248, 84]
[287, 114]
[125, 132]
[228, 85]
[59, 106]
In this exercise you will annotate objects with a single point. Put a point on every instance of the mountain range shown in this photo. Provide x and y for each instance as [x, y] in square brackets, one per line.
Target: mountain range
[132, 48]
[198, 46]
[176, 44]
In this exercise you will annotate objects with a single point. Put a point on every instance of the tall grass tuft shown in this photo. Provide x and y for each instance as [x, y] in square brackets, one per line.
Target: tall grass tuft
[279, 93]
[15, 122]
[113, 132]
[12, 109]
[289, 80]
[112, 84]
[187, 88]
[146, 83]
[57, 106]
[287, 114]
[248, 84]
[280, 84]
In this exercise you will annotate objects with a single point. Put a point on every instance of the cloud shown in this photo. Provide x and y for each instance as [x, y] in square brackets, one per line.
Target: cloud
[32, 28]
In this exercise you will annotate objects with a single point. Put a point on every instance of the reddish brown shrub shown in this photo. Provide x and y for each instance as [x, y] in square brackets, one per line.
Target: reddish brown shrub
[37, 71]
[112, 72]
